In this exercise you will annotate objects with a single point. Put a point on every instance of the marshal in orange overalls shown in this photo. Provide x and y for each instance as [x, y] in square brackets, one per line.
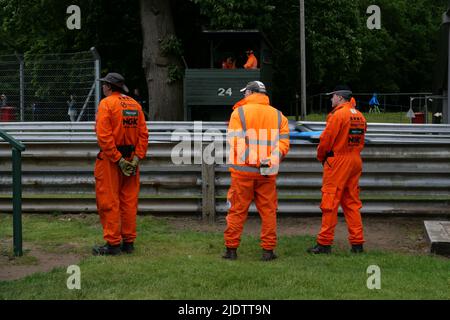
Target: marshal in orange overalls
[120, 125]
[343, 137]
[256, 132]
[252, 62]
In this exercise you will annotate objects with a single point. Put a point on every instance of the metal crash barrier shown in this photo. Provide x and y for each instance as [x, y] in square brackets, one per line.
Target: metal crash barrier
[406, 169]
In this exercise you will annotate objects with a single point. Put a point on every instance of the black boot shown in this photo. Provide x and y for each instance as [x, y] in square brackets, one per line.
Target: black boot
[230, 254]
[106, 250]
[127, 247]
[268, 255]
[357, 248]
[318, 248]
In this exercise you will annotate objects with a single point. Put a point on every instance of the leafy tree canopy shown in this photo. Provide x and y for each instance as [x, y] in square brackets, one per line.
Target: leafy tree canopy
[340, 48]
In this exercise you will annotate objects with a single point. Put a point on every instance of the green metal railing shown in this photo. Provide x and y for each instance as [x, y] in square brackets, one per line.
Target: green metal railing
[17, 148]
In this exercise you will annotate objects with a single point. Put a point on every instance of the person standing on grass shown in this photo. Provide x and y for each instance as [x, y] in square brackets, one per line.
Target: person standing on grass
[339, 152]
[122, 136]
[374, 104]
[259, 139]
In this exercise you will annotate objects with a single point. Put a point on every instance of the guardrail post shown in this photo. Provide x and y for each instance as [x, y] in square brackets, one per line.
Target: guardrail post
[17, 148]
[208, 189]
[17, 201]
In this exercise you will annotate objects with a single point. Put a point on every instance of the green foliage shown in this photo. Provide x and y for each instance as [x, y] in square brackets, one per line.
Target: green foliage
[171, 45]
[236, 14]
[339, 47]
[39, 26]
[175, 73]
[333, 37]
[402, 55]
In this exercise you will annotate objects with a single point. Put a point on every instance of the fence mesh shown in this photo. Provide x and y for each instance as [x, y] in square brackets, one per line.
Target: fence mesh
[47, 87]
[392, 108]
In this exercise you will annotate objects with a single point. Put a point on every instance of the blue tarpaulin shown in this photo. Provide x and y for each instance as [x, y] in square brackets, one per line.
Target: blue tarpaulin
[305, 134]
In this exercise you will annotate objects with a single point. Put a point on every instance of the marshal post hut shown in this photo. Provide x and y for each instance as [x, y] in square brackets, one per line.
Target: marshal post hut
[211, 91]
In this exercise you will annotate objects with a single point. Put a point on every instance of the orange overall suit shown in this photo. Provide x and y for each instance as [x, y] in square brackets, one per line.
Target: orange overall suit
[339, 151]
[257, 133]
[121, 132]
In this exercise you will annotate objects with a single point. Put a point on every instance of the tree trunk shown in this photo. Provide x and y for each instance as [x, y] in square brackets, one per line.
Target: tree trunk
[165, 99]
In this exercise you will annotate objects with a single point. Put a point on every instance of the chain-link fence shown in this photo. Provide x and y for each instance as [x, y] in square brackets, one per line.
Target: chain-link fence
[49, 87]
[392, 107]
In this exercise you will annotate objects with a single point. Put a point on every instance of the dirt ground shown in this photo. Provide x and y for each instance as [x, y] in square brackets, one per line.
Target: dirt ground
[35, 259]
[399, 234]
[381, 233]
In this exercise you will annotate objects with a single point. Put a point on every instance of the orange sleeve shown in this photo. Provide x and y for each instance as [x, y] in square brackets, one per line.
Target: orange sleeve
[105, 138]
[235, 136]
[239, 103]
[284, 137]
[282, 144]
[328, 136]
[249, 63]
[142, 143]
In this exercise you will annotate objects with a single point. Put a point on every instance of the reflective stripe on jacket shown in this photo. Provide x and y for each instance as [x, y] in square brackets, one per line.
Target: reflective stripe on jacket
[257, 132]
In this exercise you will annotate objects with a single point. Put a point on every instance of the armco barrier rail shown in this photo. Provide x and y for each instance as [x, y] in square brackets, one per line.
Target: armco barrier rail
[406, 170]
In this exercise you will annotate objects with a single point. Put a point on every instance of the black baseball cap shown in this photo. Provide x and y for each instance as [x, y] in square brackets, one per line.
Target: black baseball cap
[116, 80]
[342, 90]
[255, 86]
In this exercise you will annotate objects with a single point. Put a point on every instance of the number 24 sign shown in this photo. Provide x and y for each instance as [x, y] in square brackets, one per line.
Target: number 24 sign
[221, 92]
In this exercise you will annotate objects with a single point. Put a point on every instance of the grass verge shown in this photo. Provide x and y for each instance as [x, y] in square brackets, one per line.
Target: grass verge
[173, 264]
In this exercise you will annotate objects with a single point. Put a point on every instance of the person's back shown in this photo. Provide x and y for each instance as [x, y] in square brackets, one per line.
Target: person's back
[374, 104]
[122, 117]
[339, 152]
[348, 126]
[122, 136]
[252, 62]
[374, 100]
[259, 138]
[262, 122]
